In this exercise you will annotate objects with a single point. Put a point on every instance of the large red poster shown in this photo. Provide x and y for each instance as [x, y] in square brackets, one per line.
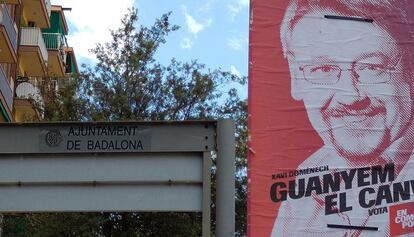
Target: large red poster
[331, 118]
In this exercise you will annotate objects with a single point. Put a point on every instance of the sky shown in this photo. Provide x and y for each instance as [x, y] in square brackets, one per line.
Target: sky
[215, 32]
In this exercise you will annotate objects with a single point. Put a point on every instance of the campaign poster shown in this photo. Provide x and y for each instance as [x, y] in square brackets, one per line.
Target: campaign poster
[331, 87]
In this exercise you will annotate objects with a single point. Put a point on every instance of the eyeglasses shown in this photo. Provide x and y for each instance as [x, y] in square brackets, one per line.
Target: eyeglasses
[364, 73]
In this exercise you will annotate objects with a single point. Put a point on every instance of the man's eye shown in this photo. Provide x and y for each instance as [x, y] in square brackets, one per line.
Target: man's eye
[371, 67]
[324, 69]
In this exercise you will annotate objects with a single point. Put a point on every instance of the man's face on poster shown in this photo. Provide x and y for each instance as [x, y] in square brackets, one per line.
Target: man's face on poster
[349, 75]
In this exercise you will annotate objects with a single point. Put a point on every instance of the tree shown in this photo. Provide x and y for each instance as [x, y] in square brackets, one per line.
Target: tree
[127, 83]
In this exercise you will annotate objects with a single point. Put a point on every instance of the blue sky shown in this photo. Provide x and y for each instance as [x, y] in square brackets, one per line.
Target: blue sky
[215, 32]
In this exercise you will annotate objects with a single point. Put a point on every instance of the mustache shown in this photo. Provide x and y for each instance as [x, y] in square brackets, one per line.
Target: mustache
[365, 108]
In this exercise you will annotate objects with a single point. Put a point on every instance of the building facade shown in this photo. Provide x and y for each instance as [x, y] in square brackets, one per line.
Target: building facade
[33, 47]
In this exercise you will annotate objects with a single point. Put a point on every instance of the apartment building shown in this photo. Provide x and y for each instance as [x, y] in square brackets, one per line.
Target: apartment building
[33, 47]
[9, 18]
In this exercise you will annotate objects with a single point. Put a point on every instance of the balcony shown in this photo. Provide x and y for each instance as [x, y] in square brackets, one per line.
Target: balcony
[71, 67]
[29, 101]
[5, 89]
[37, 11]
[32, 52]
[8, 37]
[55, 44]
[12, 1]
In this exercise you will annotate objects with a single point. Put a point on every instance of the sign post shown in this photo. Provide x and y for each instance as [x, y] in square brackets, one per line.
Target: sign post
[225, 179]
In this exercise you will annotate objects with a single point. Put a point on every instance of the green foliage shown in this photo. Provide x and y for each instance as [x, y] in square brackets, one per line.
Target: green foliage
[15, 226]
[128, 84]
[61, 102]
[53, 224]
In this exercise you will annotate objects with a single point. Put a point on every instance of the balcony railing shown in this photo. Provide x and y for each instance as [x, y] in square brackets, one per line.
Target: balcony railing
[8, 23]
[56, 41]
[5, 89]
[32, 36]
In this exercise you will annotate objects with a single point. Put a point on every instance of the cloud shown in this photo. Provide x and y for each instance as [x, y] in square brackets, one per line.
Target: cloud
[186, 43]
[244, 3]
[236, 43]
[193, 25]
[92, 20]
[206, 6]
[235, 7]
[234, 71]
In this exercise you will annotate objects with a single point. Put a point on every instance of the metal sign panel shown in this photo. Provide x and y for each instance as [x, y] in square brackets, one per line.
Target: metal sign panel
[105, 168]
[100, 198]
[107, 137]
[106, 182]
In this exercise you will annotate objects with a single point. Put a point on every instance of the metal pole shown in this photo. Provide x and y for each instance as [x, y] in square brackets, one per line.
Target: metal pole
[1, 224]
[225, 203]
[206, 227]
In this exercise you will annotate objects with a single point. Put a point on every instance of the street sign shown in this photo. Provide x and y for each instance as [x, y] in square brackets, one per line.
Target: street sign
[107, 137]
